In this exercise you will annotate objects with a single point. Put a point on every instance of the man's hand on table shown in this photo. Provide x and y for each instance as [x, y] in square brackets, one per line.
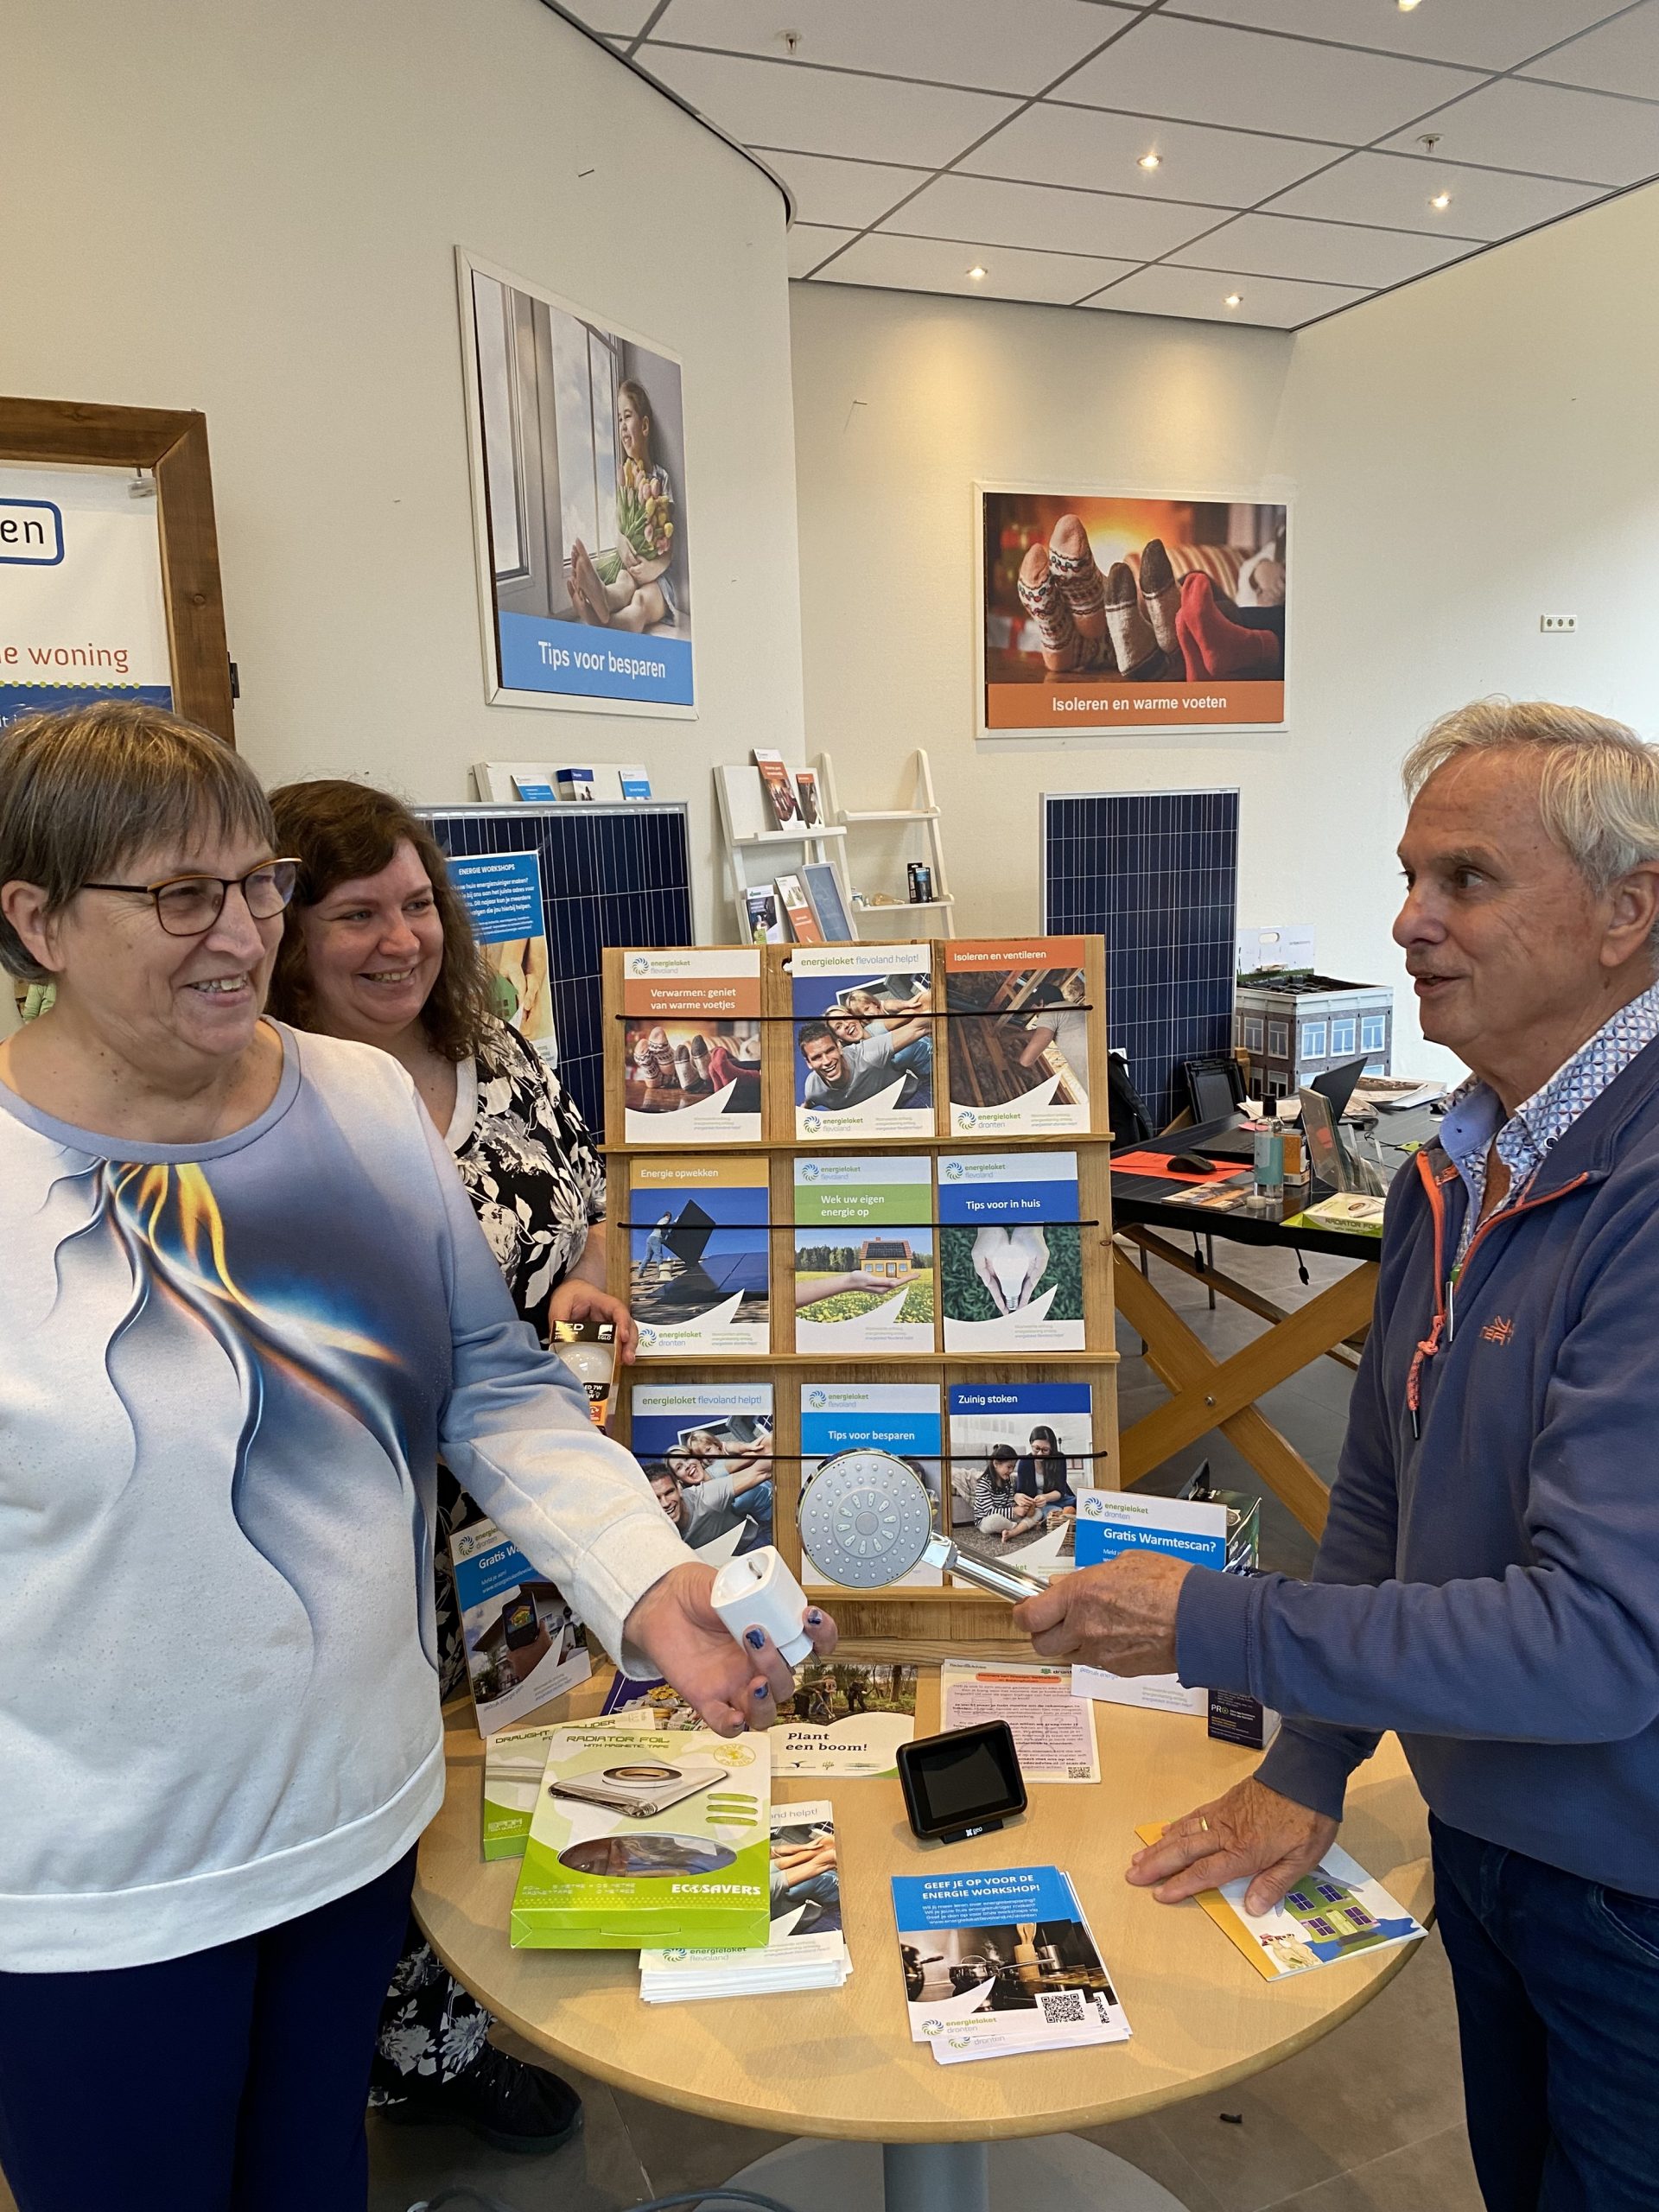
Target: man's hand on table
[1120, 1616]
[731, 1686]
[1252, 1830]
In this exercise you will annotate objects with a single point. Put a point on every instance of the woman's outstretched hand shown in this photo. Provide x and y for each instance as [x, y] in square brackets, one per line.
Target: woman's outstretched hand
[731, 1686]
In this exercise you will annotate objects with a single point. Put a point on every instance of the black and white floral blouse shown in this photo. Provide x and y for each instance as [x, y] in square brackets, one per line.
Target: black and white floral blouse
[537, 1184]
[535, 1179]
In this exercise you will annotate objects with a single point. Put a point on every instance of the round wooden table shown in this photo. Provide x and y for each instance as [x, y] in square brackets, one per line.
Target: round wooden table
[838, 2065]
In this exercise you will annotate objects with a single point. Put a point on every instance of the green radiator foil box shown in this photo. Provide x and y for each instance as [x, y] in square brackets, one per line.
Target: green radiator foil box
[642, 1839]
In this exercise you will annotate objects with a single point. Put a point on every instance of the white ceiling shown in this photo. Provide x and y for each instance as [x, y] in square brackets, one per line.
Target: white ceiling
[924, 139]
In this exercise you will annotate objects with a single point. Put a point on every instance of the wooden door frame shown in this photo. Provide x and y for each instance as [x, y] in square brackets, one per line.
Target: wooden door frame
[173, 442]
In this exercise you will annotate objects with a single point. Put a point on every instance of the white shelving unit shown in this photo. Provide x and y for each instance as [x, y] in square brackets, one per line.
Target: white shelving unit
[757, 851]
[933, 917]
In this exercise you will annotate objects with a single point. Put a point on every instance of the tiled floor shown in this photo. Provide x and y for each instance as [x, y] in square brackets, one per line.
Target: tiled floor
[1367, 2120]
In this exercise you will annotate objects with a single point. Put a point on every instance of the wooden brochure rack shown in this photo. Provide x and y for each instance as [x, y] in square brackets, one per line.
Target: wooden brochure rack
[902, 1623]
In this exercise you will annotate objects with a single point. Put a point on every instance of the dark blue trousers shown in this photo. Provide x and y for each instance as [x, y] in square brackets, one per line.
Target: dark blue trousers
[233, 2080]
[1557, 1982]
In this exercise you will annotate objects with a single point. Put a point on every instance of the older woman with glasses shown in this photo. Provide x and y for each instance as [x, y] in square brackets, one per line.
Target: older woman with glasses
[247, 1303]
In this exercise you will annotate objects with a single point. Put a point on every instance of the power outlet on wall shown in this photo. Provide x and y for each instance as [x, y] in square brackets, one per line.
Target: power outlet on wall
[1555, 624]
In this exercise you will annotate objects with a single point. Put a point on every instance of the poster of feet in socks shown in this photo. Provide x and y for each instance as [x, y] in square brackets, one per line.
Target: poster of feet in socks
[1100, 610]
[577, 436]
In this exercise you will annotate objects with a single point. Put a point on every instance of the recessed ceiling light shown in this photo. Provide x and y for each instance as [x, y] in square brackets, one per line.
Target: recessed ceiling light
[1151, 161]
[1406, 6]
[1441, 200]
[977, 273]
[1234, 300]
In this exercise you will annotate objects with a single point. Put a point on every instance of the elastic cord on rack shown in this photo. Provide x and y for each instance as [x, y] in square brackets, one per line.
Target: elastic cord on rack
[884, 1230]
[835, 1014]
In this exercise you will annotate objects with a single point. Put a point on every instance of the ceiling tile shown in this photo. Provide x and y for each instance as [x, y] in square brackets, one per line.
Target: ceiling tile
[1623, 56]
[1515, 125]
[613, 18]
[1051, 144]
[993, 212]
[1395, 191]
[1328, 253]
[1203, 74]
[808, 244]
[1199, 296]
[981, 42]
[840, 192]
[1480, 34]
[824, 111]
[931, 265]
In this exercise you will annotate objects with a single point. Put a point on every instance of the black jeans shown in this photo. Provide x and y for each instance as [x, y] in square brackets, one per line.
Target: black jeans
[232, 2080]
[1557, 1982]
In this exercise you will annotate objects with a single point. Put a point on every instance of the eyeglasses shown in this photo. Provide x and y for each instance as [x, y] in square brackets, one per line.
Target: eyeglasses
[189, 905]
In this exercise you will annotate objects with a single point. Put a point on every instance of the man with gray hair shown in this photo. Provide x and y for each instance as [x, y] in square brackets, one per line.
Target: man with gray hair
[1488, 1581]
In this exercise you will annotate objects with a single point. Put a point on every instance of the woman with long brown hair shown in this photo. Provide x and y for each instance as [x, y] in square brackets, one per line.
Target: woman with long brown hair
[379, 948]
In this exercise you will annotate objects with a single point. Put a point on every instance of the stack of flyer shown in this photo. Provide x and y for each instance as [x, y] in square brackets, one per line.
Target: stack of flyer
[903, 1419]
[1011, 1252]
[864, 1256]
[635, 1839]
[806, 1949]
[1000, 1962]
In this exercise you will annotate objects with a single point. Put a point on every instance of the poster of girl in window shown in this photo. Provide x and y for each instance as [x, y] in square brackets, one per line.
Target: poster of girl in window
[579, 493]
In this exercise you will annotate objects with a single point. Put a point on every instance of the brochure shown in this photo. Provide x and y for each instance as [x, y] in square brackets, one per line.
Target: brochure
[1335, 1912]
[1114, 1520]
[846, 1717]
[691, 1046]
[902, 1417]
[1018, 1026]
[765, 919]
[863, 1041]
[1011, 1252]
[802, 921]
[806, 1949]
[649, 1704]
[524, 1644]
[706, 1453]
[629, 1846]
[502, 893]
[806, 793]
[864, 1278]
[697, 1245]
[781, 800]
[1053, 1731]
[1020, 1453]
[1002, 1961]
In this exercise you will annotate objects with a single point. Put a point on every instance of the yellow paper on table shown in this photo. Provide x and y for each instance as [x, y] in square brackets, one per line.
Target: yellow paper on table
[1334, 1912]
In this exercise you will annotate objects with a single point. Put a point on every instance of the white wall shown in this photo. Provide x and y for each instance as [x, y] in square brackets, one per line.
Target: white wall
[901, 403]
[1472, 452]
[1464, 455]
[252, 210]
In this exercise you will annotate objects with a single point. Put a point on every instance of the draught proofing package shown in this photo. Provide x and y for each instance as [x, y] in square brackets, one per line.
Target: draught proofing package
[643, 1839]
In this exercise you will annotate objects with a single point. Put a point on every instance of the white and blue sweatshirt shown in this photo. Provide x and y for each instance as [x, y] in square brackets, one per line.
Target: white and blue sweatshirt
[226, 1372]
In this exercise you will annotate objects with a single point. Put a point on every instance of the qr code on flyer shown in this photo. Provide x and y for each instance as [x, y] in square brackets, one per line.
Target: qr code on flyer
[1063, 2008]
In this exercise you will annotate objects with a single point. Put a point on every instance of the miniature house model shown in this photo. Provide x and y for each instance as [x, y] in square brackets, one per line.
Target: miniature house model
[1293, 1026]
[885, 1255]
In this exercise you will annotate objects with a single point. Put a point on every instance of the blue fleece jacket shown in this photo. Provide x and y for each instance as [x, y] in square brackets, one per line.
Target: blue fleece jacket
[1488, 1583]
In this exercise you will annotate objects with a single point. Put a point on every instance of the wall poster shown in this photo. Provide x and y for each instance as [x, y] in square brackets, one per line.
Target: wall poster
[82, 615]
[579, 496]
[1111, 610]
